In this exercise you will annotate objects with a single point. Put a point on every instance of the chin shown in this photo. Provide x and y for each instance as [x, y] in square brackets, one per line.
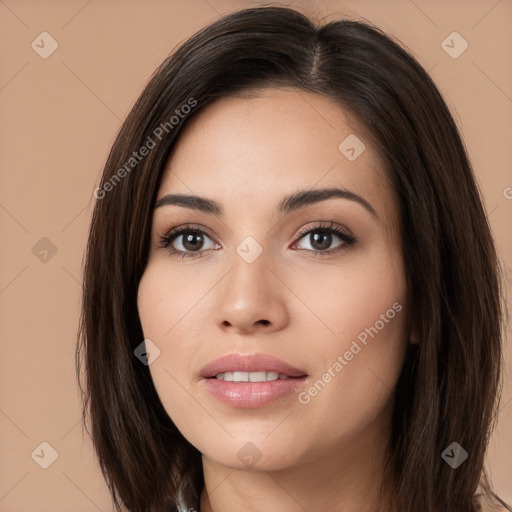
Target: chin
[247, 455]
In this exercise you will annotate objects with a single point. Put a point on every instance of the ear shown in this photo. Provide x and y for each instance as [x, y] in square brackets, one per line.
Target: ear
[413, 337]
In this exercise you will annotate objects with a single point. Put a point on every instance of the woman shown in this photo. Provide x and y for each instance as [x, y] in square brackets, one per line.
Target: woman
[291, 294]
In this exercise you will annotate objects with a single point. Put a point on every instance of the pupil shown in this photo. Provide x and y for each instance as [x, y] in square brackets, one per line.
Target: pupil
[189, 243]
[326, 237]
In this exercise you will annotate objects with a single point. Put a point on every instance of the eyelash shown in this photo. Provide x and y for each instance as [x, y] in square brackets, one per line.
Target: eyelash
[348, 239]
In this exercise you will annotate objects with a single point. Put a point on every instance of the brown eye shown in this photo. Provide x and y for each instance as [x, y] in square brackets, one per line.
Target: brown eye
[321, 237]
[320, 242]
[192, 241]
[187, 241]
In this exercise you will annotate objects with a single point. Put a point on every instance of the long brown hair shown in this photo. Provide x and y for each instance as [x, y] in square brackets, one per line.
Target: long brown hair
[450, 384]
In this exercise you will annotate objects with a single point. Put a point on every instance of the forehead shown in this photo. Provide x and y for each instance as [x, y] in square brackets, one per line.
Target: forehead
[253, 150]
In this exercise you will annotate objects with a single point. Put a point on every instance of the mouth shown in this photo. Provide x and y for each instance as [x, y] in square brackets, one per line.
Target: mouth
[251, 381]
[241, 376]
[250, 368]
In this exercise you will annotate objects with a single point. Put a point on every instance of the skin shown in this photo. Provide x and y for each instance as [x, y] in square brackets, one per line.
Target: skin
[247, 153]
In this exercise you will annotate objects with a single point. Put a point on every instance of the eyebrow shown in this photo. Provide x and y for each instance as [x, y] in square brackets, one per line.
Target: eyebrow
[287, 205]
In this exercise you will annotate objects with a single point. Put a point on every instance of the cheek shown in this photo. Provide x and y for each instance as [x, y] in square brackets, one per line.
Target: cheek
[359, 356]
[165, 304]
[365, 291]
[165, 298]
[166, 301]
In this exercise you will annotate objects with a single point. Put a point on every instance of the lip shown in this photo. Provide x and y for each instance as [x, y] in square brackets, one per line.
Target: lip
[251, 395]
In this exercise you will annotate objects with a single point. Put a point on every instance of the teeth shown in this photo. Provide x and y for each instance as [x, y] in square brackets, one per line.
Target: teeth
[257, 376]
[240, 377]
[250, 376]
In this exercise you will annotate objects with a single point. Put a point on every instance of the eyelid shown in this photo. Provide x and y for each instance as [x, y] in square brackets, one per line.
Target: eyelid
[327, 226]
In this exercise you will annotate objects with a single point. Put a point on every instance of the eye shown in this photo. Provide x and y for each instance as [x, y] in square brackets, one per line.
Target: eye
[187, 241]
[190, 241]
[320, 238]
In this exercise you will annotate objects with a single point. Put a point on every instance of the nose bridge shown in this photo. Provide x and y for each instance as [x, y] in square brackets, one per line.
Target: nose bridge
[250, 265]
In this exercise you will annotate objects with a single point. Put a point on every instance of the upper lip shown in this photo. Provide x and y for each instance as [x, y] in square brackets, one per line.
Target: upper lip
[249, 363]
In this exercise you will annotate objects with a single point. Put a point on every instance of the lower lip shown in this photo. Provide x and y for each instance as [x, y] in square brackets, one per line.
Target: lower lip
[251, 395]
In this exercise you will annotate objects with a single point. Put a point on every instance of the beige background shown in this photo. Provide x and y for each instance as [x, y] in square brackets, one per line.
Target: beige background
[59, 118]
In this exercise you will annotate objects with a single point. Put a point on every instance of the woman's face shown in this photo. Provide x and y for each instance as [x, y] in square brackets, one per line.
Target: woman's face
[331, 325]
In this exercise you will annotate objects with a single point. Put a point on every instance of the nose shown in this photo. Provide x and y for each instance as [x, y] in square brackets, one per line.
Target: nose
[252, 298]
